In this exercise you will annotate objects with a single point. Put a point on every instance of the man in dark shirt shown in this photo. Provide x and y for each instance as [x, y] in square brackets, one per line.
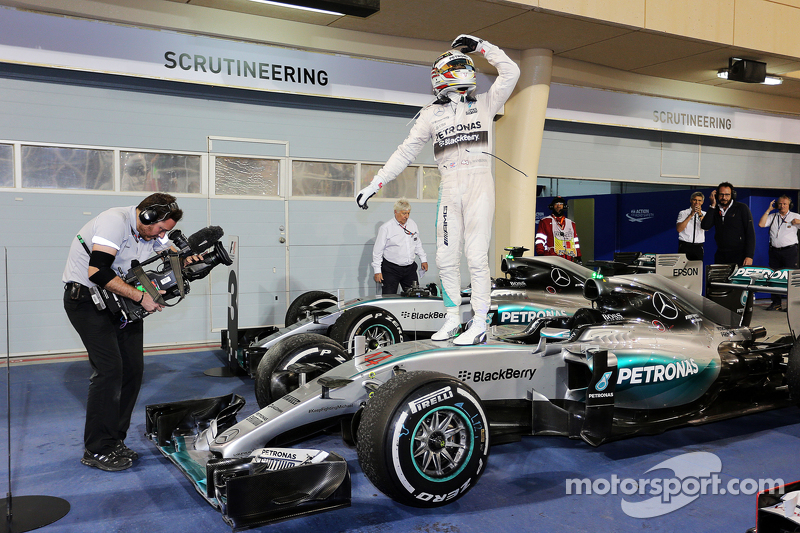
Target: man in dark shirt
[734, 232]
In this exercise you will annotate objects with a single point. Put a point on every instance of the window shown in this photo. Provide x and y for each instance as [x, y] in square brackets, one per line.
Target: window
[311, 178]
[48, 167]
[154, 172]
[241, 176]
[403, 186]
[6, 165]
[430, 183]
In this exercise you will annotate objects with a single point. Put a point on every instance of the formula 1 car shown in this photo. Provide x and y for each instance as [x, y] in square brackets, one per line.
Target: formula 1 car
[646, 356]
[533, 287]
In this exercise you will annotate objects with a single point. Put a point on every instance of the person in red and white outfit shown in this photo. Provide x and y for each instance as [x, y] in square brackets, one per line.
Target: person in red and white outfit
[557, 234]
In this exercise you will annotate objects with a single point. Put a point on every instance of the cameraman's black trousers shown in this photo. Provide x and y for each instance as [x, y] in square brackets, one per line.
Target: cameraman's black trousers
[116, 356]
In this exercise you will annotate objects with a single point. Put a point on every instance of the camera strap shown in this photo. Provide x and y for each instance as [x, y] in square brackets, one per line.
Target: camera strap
[144, 281]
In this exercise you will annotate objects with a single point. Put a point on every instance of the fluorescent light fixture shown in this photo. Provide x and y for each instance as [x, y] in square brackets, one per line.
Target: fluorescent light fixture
[772, 80]
[290, 6]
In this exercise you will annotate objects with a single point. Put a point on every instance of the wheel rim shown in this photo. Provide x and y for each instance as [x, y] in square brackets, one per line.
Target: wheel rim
[442, 444]
[378, 337]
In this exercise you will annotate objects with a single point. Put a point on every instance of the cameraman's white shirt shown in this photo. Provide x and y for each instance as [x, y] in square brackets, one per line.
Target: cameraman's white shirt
[116, 228]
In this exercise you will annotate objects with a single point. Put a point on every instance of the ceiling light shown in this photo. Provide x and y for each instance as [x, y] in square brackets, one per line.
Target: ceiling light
[747, 71]
[356, 8]
[290, 6]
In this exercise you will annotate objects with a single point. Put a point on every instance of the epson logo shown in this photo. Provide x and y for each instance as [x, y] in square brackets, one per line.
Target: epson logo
[694, 271]
[526, 317]
[611, 317]
[657, 373]
[433, 398]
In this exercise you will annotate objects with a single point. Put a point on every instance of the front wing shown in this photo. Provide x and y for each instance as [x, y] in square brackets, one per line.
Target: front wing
[269, 485]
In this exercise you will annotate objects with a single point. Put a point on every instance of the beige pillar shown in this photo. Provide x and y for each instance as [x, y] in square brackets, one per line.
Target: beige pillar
[519, 141]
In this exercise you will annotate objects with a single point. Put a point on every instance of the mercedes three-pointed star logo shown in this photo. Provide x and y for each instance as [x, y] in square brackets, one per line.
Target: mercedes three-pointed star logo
[665, 306]
[559, 277]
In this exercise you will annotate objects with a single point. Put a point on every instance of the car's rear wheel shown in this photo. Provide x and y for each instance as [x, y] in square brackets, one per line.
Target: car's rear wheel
[423, 439]
[793, 372]
[379, 326]
[316, 300]
[273, 378]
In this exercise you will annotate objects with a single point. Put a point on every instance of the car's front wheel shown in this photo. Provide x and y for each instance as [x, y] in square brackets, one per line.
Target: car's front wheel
[423, 439]
[273, 378]
[378, 326]
[314, 300]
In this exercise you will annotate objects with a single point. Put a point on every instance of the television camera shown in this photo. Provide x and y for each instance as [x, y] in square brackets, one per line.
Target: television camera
[169, 275]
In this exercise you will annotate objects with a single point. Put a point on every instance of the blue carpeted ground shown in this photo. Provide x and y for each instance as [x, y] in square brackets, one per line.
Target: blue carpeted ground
[523, 489]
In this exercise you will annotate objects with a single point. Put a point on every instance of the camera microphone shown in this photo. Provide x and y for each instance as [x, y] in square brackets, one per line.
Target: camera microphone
[203, 239]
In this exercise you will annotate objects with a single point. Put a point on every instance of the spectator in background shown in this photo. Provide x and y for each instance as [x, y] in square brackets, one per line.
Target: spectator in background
[732, 221]
[782, 239]
[557, 234]
[690, 235]
[395, 247]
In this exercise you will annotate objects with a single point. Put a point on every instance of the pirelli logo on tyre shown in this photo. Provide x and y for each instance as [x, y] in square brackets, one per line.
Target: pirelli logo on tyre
[429, 400]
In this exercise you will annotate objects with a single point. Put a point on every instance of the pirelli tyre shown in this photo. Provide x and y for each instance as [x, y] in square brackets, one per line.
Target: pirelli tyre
[273, 378]
[793, 372]
[317, 300]
[379, 326]
[423, 439]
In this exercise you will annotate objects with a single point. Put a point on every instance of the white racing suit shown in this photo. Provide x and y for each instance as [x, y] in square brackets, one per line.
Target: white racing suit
[461, 130]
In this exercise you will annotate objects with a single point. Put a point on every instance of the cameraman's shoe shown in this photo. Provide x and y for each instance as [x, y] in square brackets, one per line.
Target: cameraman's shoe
[451, 325]
[475, 334]
[111, 462]
[123, 451]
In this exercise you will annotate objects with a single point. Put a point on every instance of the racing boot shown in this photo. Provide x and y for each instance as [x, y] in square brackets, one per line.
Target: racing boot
[451, 326]
[475, 334]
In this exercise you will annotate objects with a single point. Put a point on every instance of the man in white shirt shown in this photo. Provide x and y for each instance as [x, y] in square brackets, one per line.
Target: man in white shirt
[395, 247]
[782, 239]
[690, 235]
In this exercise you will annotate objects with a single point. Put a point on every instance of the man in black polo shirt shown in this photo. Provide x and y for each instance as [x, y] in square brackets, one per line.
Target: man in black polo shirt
[732, 221]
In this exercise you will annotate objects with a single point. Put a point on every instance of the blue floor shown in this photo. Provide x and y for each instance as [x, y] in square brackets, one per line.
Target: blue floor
[523, 489]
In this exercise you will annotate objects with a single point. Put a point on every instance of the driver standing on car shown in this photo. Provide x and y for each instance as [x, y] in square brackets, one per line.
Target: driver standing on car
[395, 247]
[460, 125]
[106, 245]
[557, 234]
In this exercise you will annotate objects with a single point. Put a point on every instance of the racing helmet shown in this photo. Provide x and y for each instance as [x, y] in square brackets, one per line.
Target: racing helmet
[453, 71]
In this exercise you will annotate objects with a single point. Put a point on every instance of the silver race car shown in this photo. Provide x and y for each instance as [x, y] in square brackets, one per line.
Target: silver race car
[533, 287]
[644, 355]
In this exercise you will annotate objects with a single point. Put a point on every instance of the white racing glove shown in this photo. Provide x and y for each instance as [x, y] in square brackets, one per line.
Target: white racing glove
[368, 192]
[467, 43]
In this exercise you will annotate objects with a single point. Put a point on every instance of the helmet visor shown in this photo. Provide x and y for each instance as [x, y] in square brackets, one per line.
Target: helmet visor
[457, 64]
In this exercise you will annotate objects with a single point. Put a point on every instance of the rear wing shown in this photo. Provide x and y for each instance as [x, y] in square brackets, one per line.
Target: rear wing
[733, 287]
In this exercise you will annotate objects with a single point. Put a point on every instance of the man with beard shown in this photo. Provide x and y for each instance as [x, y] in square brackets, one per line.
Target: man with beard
[733, 223]
[557, 234]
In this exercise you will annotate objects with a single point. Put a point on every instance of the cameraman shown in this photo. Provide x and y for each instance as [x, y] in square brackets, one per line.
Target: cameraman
[104, 249]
